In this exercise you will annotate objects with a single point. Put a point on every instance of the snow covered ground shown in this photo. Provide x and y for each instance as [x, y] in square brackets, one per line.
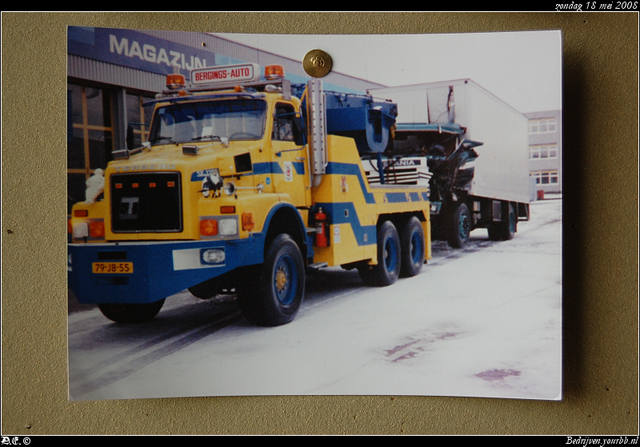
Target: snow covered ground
[484, 321]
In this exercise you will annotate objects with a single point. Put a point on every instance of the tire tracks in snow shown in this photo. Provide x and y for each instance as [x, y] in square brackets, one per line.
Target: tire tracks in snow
[123, 363]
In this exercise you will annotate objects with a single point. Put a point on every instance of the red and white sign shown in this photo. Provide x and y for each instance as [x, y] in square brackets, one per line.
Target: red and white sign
[225, 73]
[288, 171]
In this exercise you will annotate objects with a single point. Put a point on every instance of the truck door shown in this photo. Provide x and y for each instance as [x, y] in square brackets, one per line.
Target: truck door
[290, 154]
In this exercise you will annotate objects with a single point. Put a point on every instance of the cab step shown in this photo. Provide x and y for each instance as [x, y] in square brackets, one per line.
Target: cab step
[317, 266]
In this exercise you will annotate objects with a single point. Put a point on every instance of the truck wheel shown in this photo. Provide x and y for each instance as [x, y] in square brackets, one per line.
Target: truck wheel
[207, 289]
[274, 295]
[412, 248]
[505, 230]
[461, 227]
[131, 313]
[387, 270]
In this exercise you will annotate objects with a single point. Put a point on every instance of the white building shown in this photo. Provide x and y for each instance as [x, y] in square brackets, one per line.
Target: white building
[545, 150]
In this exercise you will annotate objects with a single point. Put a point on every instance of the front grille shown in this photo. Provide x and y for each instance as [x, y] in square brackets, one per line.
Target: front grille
[146, 202]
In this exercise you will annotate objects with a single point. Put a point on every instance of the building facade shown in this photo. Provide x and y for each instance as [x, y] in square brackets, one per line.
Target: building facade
[545, 150]
[111, 73]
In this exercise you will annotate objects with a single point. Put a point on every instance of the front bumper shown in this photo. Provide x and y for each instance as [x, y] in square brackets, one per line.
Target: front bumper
[145, 272]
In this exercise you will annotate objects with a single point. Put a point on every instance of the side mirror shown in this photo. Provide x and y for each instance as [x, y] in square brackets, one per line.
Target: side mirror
[298, 130]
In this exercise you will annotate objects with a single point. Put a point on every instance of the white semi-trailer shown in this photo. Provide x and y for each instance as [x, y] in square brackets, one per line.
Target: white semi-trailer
[471, 148]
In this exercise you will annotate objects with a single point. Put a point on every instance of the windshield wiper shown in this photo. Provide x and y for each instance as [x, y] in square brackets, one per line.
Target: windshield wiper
[224, 141]
[203, 137]
[169, 139]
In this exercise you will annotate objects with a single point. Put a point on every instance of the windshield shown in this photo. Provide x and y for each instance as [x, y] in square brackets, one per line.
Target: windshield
[238, 119]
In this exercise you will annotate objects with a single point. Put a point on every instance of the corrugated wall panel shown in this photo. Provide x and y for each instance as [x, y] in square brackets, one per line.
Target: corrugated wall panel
[92, 70]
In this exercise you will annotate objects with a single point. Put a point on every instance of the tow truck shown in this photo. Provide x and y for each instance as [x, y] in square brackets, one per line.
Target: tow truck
[244, 185]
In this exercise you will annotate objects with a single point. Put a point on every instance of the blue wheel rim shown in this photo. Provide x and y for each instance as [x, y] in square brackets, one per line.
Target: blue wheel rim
[463, 226]
[285, 280]
[390, 255]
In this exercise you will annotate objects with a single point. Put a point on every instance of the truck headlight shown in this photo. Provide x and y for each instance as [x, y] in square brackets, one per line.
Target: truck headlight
[80, 230]
[213, 256]
[229, 188]
[227, 227]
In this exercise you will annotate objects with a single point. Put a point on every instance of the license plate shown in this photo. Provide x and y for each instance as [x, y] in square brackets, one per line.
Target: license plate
[113, 267]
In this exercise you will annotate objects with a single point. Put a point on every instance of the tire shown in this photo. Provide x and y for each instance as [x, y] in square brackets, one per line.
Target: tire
[131, 313]
[273, 292]
[207, 289]
[412, 248]
[387, 270]
[505, 230]
[460, 227]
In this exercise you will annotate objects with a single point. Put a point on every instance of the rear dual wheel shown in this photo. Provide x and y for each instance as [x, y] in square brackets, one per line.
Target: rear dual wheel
[504, 230]
[387, 270]
[412, 243]
[398, 255]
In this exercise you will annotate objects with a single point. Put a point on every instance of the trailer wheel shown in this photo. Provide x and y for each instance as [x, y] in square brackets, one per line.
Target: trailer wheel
[387, 270]
[274, 293]
[461, 227]
[412, 248]
[131, 313]
[505, 230]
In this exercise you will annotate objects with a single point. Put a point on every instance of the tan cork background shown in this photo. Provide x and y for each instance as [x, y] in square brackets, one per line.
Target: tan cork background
[600, 68]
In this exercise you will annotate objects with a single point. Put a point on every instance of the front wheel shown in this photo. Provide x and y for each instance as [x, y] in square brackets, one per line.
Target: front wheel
[460, 227]
[207, 289]
[273, 295]
[131, 313]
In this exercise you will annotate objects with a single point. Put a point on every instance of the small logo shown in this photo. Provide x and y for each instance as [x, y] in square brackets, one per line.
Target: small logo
[129, 207]
[288, 171]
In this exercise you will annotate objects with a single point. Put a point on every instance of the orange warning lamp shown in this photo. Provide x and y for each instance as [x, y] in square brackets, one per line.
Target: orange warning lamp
[175, 81]
[273, 72]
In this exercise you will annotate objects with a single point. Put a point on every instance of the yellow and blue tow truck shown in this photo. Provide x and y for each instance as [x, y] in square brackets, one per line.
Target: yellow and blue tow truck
[244, 184]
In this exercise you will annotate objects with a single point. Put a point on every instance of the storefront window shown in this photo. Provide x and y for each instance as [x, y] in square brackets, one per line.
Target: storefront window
[98, 107]
[75, 103]
[75, 150]
[100, 146]
[138, 118]
[90, 139]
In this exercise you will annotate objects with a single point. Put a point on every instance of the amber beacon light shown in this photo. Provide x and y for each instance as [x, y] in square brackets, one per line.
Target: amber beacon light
[273, 72]
[175, 81]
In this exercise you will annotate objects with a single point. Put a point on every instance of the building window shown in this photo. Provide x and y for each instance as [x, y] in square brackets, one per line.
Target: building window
[545, 177]
[90, 136]
[544, 125]
[138, 118]
[547, 151]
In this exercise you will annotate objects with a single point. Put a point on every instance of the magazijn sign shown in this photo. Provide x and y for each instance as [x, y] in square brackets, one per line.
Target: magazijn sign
[136, 50]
